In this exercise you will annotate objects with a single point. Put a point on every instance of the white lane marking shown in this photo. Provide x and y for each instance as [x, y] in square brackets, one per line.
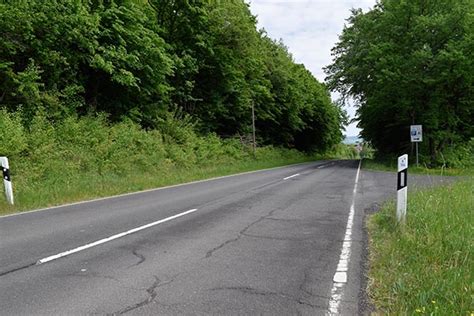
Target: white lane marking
[295, 175]
[325, 165]
[102, 241]
[153, 190]
[340, 277]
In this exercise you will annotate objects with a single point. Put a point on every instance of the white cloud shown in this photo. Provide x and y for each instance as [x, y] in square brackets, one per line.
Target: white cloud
[310, 28]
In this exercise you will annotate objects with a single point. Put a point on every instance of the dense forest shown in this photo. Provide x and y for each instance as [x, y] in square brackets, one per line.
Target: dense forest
[411, 62]
[138, 60]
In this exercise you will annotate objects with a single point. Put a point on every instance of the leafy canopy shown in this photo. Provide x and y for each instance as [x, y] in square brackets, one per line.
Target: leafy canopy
[142, 60]
[409, 62]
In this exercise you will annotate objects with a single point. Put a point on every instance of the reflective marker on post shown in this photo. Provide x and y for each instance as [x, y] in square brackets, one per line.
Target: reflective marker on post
[402, 188]
[6, 179]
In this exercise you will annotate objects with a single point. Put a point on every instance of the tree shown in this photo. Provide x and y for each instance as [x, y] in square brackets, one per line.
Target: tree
[143, 59]
[72, 56]
[409, 62]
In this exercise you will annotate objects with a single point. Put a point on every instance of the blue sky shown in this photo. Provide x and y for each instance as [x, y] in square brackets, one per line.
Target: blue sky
[309, 28]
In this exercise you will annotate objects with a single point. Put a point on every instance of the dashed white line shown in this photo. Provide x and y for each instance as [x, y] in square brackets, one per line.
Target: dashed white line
[102, 241]
[295, 175]
[149, 190]
[340, 277]
[325, 165]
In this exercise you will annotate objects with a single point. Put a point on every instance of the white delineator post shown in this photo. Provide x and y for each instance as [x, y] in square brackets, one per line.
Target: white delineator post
[6, 179]
[402, 188]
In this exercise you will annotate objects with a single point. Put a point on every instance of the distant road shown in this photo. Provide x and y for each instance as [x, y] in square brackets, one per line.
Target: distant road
[267, 242]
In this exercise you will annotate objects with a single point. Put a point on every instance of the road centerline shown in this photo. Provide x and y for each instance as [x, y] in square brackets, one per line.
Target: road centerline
[113, 237]
[292, 176]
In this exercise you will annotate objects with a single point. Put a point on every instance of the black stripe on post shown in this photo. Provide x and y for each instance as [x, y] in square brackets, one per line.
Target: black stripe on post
[402, 179]
[6, 174]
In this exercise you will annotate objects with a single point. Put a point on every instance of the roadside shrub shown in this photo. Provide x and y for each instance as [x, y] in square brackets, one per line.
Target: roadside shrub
[459, 156]
[341, 151]
[56, 160]
[12, 137]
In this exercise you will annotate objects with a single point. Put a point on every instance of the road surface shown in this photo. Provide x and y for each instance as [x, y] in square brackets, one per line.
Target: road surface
[270, 242]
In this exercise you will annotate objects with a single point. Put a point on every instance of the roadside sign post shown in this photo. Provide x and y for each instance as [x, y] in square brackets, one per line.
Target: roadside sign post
[6, 179]
[416, 135]
[402, 188]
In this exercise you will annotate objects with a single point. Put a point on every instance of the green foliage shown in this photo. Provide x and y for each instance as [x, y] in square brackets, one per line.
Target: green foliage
[367, 151]
[71, 56]
[424, 267]
[340, 151]
[409, 62]
[83, 157]
[12, 137]
[390, 165]
[458, 156]
[141, 60]
[222, 65]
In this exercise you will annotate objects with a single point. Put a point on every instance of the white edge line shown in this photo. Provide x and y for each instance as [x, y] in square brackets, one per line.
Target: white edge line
[102, 241]
[292, 176]
[340, 277]
[152, 190]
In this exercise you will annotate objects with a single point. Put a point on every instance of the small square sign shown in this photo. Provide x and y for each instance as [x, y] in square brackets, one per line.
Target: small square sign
[416, 133]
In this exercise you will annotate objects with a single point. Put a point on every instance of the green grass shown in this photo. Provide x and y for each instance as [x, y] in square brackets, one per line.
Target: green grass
[425, 266]
[372, 164]
[59, 190]
[58, 161]
[53, 162]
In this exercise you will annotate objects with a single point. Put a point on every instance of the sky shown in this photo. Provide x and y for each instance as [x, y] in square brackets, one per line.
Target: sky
[309, 28]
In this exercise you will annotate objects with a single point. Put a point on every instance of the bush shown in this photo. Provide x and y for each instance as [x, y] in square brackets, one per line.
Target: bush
[12, 137]
[459, 156]
[63, 160]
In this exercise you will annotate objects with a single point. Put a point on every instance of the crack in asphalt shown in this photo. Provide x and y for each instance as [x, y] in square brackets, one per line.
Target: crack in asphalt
[211, 252]
[241, 233]
[252, 291]
[276, 238]
[247, 290]
[302, 286]
[283, 219]
[151, 296]
[307, 292]
[141, 258]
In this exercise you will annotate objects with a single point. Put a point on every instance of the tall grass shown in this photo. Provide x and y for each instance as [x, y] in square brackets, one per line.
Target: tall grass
[72, 159]
[391, 166]
[426, 266]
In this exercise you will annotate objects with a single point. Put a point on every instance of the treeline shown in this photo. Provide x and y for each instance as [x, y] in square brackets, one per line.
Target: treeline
[411, 62]
[141, 60]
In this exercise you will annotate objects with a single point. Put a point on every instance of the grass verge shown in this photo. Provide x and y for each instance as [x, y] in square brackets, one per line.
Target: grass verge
[85, 186]
[53, 162]
[391, 166]
[425, 267]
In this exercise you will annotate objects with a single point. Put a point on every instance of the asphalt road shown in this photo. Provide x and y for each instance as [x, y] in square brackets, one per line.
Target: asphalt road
[267, 242]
